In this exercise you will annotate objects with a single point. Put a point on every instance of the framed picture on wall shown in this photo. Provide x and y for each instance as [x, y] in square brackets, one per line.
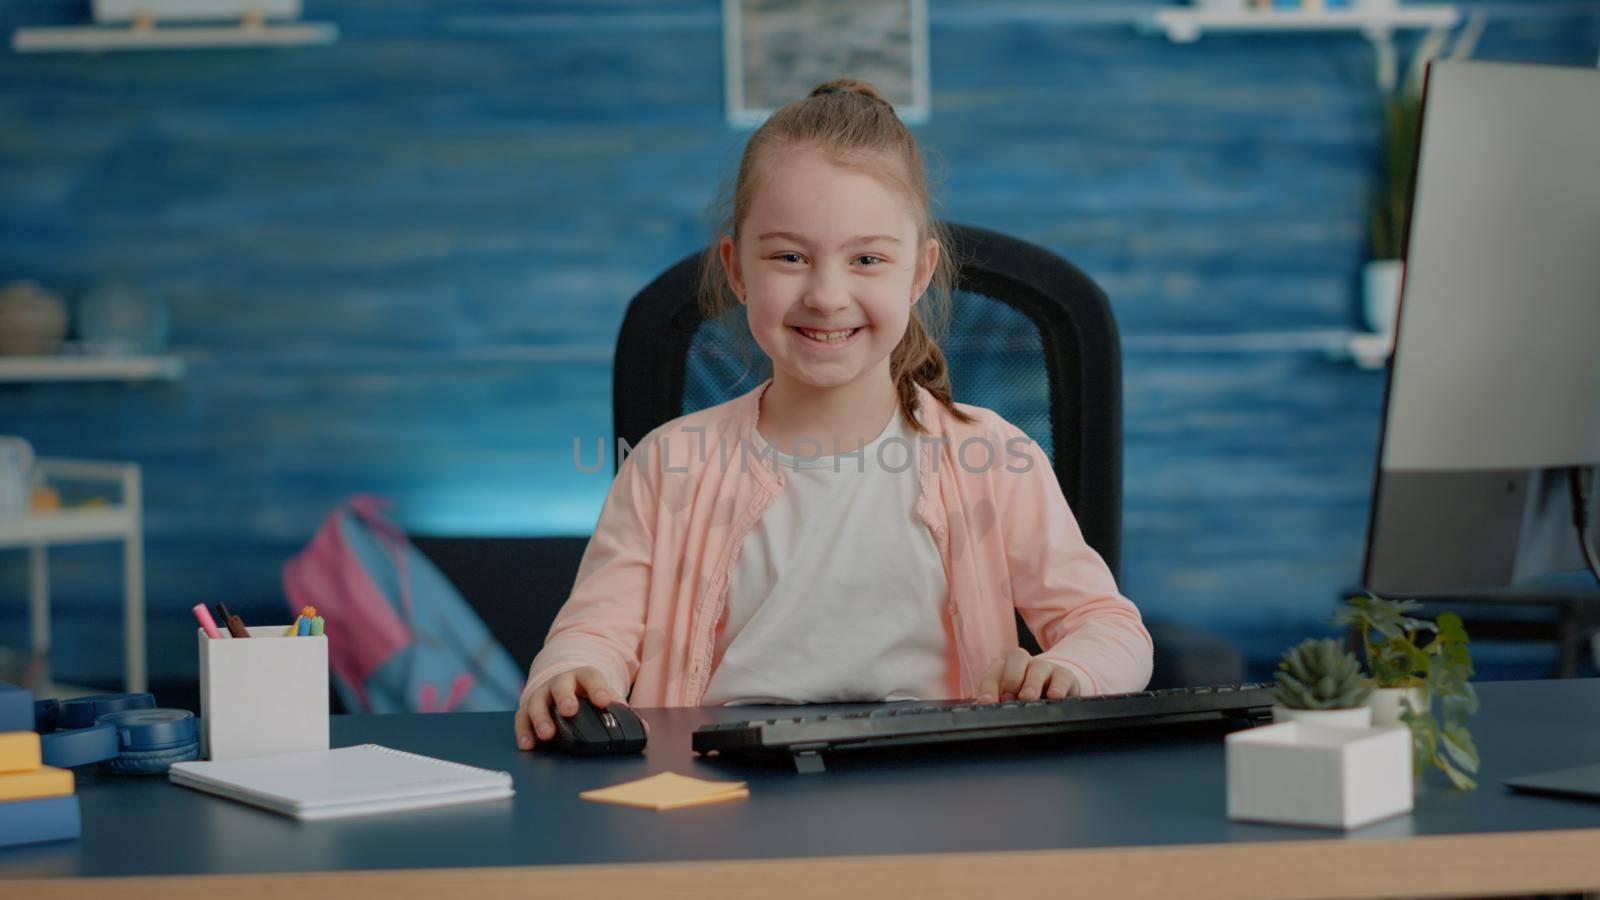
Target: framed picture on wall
[776, 51]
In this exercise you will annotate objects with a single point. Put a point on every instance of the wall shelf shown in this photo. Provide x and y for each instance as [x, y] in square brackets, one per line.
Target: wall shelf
[90, 368]
[1186, 24]
[91, 39]
[1369, 350]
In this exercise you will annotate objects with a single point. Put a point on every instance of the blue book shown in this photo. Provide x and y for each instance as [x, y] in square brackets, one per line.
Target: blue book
[16, 708]
[36, 821]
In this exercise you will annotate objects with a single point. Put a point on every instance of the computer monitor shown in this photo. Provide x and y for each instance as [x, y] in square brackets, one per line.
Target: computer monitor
[1494, 387]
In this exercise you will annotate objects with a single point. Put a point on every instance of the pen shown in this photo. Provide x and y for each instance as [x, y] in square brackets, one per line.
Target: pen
[293, 627]
[302, 626]
[204, 615]
[316, 626]
[234, 623]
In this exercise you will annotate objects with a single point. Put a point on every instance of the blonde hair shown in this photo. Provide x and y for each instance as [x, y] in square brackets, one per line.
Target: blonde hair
[850, 121]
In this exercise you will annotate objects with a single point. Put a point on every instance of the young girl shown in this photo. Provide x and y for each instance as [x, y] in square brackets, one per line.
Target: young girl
[845, 531]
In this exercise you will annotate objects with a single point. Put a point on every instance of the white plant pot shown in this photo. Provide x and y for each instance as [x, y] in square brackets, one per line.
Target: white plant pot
[1298, 774]
[1358, 717]
[1380, 293]
[1385, 704]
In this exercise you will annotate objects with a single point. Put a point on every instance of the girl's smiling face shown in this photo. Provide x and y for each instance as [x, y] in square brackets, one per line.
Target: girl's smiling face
[828, 263]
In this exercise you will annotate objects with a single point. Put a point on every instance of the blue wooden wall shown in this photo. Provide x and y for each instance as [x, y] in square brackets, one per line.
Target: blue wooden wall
[398, 265]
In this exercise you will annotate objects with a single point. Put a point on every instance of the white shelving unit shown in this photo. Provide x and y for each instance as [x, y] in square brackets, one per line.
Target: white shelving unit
[1184, 24]
[122, 521]
[90, 368]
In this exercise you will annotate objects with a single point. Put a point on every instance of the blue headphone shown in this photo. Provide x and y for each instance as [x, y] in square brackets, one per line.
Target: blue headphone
[125, 733]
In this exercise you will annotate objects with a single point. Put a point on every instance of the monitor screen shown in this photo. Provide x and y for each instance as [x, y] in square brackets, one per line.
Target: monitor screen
[1494, 388]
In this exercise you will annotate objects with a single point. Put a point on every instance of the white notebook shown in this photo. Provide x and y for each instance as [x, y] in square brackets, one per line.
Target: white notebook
[348, 781]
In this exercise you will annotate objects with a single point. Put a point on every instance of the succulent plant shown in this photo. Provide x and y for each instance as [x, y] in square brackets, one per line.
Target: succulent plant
[1321, 674]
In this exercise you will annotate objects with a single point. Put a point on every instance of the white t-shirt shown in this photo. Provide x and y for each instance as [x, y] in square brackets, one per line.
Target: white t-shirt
[838, 592]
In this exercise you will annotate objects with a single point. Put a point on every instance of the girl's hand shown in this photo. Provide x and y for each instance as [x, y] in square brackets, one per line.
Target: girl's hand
[1018, 676]
[560, 693]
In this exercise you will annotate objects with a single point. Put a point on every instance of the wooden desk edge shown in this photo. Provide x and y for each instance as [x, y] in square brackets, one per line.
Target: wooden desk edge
[1441, 865]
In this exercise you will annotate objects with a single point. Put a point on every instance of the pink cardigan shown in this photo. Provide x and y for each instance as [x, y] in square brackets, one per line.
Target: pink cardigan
[654, 579]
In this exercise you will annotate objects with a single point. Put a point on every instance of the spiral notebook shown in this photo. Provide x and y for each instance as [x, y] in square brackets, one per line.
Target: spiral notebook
[348, 781]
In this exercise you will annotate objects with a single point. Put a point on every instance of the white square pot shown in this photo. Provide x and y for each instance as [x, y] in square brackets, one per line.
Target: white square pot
[1298, 774]
[263, 695]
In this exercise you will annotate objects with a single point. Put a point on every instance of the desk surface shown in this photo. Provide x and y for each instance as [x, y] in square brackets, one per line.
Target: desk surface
[1143, 815]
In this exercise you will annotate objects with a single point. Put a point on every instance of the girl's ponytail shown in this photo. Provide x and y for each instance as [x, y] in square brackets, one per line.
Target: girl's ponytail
[917, 359]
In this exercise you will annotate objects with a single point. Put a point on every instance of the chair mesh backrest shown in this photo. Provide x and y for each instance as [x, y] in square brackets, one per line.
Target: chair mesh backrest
[1030, 337]
[996, 357]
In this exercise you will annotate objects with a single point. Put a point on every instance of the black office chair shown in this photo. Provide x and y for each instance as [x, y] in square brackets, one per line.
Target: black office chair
[1031, 337]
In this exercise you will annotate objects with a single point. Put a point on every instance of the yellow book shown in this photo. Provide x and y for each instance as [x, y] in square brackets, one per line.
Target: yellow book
[669, 790]
[19, 751]
[45, 781]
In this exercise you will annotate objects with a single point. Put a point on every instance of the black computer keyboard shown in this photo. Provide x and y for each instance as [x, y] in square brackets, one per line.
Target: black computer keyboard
[802, 739]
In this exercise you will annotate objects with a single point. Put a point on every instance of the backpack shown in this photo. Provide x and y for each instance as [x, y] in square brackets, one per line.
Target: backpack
[400, 637]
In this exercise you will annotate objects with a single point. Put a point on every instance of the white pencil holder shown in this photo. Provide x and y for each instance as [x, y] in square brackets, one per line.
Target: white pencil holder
[264, 695]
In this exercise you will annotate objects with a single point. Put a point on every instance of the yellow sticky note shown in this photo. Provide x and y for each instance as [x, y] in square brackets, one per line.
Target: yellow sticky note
[668, 790]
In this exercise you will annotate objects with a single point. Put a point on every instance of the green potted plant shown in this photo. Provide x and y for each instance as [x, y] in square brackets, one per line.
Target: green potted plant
[1381, 276]
[1320, 683]
[1412, 676]
[1396, 663]
[1401, 102]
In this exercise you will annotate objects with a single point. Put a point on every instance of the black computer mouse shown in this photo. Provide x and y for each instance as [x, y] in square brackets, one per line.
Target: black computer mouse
[592, 731]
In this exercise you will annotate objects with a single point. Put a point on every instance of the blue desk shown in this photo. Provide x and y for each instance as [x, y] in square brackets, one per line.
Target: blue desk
[1137, 818]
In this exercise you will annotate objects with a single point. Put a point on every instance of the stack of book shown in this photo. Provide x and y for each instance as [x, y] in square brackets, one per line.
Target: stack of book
[37, 802]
